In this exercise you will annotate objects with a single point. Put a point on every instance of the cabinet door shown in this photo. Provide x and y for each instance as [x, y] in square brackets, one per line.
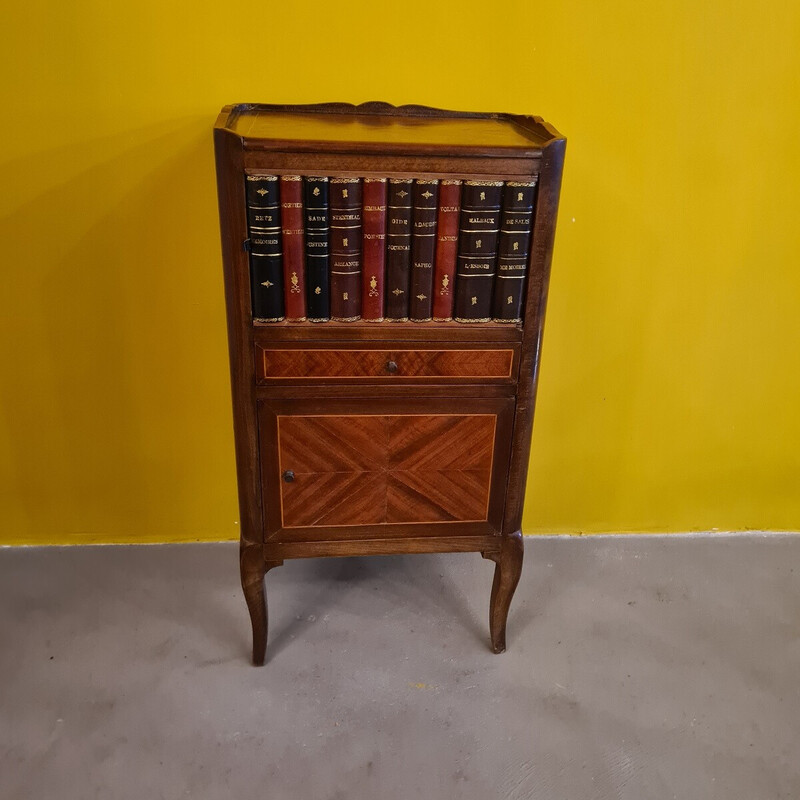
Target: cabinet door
[367, 468]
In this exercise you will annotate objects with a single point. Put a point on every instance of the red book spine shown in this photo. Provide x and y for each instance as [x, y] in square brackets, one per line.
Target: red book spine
[294, 247]
[446, 250]
[373, 249]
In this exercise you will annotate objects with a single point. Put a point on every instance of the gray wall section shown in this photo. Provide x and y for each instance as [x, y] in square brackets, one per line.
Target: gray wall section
[638, 667]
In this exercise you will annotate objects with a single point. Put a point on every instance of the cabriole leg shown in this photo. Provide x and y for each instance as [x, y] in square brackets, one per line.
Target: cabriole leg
[508, 568]
[253, 569]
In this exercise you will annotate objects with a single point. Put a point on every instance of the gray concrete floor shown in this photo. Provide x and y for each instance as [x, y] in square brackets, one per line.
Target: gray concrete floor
[638, 667]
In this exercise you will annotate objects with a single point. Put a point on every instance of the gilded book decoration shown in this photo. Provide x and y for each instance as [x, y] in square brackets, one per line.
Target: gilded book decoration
[477, 250]
[346, 230]
[381, 249]
[294, 251]
[266, 264]
[317, 250]
[374, 250]
[398, 255]
[515, 236]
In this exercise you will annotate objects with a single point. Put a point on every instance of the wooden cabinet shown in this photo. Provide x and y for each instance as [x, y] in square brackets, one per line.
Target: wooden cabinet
[358, 438]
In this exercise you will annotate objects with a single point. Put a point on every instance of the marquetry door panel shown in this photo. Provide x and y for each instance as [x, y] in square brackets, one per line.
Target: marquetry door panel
[383, 468]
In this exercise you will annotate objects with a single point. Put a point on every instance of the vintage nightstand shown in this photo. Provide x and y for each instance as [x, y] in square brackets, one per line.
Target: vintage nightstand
[357, 438]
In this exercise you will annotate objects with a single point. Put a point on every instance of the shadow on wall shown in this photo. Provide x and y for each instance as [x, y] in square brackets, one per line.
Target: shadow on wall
[119, 414]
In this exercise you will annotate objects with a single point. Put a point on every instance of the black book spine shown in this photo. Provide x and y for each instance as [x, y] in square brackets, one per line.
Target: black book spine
[516, 224]
[264, 230]
[477, 250]
[345, 234]
[398, 249]
[423, 249]
[317, 250]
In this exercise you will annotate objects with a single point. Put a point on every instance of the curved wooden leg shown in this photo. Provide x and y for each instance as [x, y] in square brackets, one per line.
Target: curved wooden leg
[506, 577]
[253, 569]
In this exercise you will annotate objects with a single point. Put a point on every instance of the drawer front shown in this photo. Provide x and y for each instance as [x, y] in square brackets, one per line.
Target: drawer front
[384, 468]
[281, 364]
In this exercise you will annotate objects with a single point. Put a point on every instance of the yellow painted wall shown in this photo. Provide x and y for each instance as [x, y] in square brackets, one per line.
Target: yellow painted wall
[671, 372]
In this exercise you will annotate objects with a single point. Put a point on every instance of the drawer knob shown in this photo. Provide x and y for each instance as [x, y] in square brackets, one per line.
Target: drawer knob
[391, 366]
[288, 476]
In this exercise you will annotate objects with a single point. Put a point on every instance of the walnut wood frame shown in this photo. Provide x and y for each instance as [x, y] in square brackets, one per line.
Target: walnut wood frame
[262, 549]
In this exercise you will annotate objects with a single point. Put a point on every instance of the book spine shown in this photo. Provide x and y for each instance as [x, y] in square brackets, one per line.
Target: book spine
[345, 200]
[423, 249]
[516, 224]
[318, 297]
[294, 248]
[477, 250]
[374, 250]
[264, 231]
[446, 250]
[398, 249]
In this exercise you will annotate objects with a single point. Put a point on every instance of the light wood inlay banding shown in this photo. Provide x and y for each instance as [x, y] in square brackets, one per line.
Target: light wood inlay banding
[385, 469]
[301, 364]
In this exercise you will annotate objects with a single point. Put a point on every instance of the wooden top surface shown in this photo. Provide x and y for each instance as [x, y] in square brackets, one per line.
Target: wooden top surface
[372, 126]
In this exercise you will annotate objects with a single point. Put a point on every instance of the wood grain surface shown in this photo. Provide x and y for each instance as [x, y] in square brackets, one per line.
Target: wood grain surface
[306, 364]
[364, 469]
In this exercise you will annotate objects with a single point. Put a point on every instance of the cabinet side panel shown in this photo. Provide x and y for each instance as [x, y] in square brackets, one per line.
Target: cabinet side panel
[233, 229]
[535, 303]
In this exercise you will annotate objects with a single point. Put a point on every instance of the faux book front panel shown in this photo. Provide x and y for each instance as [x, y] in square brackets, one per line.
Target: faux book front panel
[355, 468]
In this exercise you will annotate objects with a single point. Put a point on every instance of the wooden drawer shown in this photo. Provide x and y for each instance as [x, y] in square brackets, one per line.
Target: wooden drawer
[388, 362]
[362, 468]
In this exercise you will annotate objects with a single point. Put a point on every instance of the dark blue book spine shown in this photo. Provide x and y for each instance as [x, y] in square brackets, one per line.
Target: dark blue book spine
[264, 230]
[516, 224]
[317, 211]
